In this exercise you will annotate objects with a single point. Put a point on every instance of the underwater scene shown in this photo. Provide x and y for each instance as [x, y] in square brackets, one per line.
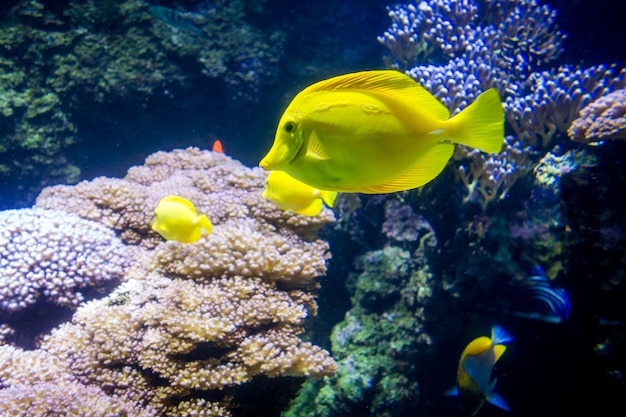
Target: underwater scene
[312, 208]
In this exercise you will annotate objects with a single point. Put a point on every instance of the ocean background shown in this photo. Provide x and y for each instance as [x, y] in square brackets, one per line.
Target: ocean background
[465, 260]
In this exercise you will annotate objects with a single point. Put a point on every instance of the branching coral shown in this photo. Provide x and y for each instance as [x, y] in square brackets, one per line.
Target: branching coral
[489, 178]
[35, 383]
[554, 98]
[192, 322]
[519, 34]
[219, 186]
[403, 37]
[50, 255]
[161, 340]
[489, 44]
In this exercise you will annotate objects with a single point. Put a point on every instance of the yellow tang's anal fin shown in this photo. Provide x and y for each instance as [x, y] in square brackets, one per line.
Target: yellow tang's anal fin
[328, 197]
[315, 149]
[425, 169]
[312, 209]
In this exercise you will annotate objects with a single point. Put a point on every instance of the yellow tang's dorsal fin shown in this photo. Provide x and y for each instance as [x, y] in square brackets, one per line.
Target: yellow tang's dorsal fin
[176, 199]
[388, 83]
[478, 346]
[315, 149]
[429, 165]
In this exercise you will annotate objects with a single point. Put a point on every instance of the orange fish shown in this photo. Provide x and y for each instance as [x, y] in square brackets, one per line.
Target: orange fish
[217, 146]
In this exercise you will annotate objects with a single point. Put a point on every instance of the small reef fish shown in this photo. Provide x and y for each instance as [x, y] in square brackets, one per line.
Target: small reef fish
[290, 194]
[217, 146]
[474, 383]
[173, 18]
[377, 132]
[177, 219]
[538, 299]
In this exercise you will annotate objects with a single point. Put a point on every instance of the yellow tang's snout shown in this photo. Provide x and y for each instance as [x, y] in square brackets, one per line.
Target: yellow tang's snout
[287, 145]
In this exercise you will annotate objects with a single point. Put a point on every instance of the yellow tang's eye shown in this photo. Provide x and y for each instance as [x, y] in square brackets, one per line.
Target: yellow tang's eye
[290, 127]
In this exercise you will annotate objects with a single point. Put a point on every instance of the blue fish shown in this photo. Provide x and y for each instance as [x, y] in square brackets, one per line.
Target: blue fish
[538, 299]
[474, 383]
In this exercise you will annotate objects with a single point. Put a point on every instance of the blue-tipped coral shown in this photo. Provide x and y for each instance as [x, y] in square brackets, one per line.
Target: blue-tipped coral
[466, 47]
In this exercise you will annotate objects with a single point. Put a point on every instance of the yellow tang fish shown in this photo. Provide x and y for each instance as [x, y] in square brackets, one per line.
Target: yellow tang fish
[177, 219]
[473, 378]
[290, 194]
[377, 132]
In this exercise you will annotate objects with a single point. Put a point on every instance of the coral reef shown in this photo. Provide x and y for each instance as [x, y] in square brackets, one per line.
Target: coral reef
[57, 61]
[168, 343]
[472, 236]
[553, 99]
[521, 32]
[192, 325]
[52, 254]
[538, 232]
[603, 119]
[227, 47]
[464, 48]
[52, 259]
[218, 186]
[592, 201]
[35, 384]
[379, 341]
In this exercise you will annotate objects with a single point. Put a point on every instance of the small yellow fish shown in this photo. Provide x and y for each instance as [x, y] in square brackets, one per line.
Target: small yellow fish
[177, 219]
[474, 383]
[377, 132]
[290, 194]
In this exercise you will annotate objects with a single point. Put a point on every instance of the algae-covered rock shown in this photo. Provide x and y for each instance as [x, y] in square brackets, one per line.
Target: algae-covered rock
[377, 344]
[64, 66]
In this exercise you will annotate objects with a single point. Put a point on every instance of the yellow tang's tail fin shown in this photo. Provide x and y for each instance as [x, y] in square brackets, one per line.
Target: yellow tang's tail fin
[481, 124]
[205, 223]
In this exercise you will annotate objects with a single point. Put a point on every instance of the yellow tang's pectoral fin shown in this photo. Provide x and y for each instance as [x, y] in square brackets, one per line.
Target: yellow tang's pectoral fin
[425, 169]
[315, 149]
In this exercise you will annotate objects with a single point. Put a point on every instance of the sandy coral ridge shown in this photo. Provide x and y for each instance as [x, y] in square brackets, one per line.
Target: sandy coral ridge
[191, 325]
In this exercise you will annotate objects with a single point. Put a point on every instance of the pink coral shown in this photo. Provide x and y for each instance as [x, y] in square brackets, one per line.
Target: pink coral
[603, 119]
[51, 255]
